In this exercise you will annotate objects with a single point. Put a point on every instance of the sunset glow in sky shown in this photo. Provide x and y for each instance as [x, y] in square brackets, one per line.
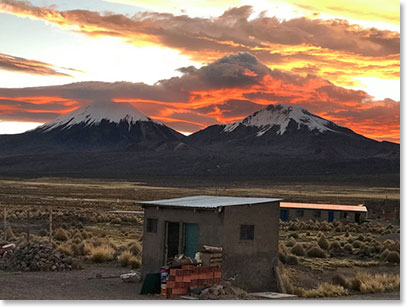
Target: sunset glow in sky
[191, 64]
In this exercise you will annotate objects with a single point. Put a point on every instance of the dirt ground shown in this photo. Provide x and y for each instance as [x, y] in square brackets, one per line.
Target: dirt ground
[83, 285]
[70, 285]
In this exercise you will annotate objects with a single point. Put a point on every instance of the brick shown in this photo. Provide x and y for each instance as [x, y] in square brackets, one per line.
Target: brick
[179, 278]
[179, 272]
[217, 275]
[188, 267]
[173, 272]
[170, 284]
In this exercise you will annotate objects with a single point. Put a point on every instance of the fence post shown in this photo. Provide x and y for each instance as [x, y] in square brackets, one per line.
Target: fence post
[50, 226]
[5, 223]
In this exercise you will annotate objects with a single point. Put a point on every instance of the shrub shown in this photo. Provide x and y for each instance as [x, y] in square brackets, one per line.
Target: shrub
[78, 236]
[282, 257]
[135, 262]
[282, 253]
[323, 242]
[361, 238]
[135, 248]
[290, 242]
[357, 244]
[371, 283]
[341, 280]
[61, 235]
[65, 249]
[10, 234]
[293, 226]
[101, 253]
[116, 220]
[124, 258]
[78, 249]
[325, 290]
[85, 235]
[335, 245]
[316, 252]
[393, 257]
[293, 235]
[298, 250]
[385, 253]
[292, 260]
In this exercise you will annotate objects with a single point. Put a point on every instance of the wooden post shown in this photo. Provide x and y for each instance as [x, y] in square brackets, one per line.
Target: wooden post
[50, 226]
[5, 223]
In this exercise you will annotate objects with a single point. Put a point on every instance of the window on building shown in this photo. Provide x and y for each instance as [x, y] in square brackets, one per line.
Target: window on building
[152, 225]
[317, 213]
[300, 213]
[246, 232]
[344, 214]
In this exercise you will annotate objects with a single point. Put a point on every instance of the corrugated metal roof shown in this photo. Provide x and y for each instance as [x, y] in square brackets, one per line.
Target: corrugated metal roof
[208, 202]
[358, 208]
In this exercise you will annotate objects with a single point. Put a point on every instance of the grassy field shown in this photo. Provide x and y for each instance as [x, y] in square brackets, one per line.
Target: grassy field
[84, 228]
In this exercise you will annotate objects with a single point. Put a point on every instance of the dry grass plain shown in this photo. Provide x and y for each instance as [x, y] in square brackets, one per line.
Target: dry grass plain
[84, 228]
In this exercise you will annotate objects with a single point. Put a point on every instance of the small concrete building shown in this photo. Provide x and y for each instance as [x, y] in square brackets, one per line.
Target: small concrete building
[246, 228]
[322, 212]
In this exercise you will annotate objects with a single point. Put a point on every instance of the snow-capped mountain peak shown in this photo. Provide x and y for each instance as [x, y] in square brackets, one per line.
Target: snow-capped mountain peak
[281, 115]
[97, 111]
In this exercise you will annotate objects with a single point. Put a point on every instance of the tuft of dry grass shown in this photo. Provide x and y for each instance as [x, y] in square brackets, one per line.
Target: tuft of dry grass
[323, 242]
[61, 235]
[372, 283]
[124, 258]
[290, 242]
[335, 245]
[357, 244]
[135, 262]
[316, 252]
[325, 290]
[65, 249]
[100, 253]
[135, 248]
[339, 279]
[116, 221]
[10, 234]
[298, 250]
[393, 257]
[292, 260]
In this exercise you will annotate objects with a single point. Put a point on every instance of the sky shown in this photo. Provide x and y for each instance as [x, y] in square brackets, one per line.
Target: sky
[191, 64]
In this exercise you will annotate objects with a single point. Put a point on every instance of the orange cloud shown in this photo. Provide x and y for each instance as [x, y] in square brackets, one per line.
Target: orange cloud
[341, 51]
[221, 92]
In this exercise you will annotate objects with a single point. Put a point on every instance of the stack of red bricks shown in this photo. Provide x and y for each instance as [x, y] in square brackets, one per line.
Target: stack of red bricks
[190, 276]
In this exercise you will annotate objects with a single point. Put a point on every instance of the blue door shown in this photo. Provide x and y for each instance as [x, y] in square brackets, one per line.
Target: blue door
[284, 215]
[330, 216]
[191, 240]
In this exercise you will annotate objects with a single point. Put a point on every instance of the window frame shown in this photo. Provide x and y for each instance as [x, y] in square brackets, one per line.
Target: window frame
[152, 225]
[247, 232]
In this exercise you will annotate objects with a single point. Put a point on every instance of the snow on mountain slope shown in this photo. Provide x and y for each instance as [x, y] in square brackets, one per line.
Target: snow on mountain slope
[281, 115]
[95, 112]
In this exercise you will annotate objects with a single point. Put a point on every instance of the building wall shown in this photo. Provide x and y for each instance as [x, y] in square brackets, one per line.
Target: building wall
[250, 262]
[210, 228]
[309, 215]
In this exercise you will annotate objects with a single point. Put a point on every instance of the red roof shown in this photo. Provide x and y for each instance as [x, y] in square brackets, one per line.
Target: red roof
[358, 208]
